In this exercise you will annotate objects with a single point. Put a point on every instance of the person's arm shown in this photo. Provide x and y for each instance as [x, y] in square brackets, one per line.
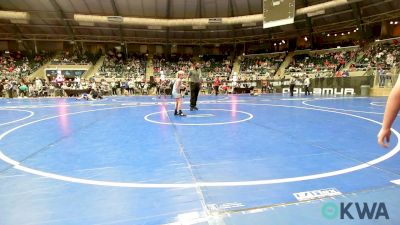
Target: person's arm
[391, 111]
[200, 76]
[178, 86]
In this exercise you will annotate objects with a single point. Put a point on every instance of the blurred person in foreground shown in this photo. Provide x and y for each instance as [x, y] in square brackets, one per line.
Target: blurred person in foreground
[391, 111]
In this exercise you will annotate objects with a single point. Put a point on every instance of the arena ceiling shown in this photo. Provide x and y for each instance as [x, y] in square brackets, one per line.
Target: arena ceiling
[54, 20]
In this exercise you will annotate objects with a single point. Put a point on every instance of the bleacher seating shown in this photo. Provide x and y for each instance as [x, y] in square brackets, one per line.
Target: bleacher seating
[117, 65]
[321, 63]
[214, 65]
[385, 54]
[217, 65]
[68, 58]
[170, 65]
[263, 65]
[21, 64]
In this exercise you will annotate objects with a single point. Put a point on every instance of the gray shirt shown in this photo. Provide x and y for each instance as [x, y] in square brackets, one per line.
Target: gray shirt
[292, 80]
[195, 76]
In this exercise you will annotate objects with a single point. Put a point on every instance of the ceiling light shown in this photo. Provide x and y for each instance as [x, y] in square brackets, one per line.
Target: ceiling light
[316, 13]
[13, 15]
[115, 19]
[19, 21]
[277, 23]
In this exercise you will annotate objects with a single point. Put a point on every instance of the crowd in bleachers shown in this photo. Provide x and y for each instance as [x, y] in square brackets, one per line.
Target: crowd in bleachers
[20, 64]
[322, 64]
[216, 65]
[261, 65]
[126, 74]
[121, 66]
[169, 66]
[381, 54]
[75, 58]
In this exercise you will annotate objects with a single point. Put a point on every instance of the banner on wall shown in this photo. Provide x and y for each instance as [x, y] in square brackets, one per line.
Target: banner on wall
[68, 73]
[326, 86]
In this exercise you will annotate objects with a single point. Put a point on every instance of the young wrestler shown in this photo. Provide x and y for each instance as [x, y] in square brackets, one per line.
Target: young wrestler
[176, 93]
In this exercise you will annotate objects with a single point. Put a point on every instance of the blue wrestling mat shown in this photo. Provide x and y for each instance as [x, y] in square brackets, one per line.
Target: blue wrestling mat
[240, 159]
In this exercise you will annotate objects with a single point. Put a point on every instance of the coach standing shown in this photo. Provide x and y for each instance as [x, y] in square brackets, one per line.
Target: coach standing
[195, 84]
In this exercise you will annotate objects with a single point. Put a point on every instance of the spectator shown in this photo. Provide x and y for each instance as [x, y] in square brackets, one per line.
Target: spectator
[216, 85]
[23, 90]
[382, 76]
[1, 88]
[307, 85]
[292, 84]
